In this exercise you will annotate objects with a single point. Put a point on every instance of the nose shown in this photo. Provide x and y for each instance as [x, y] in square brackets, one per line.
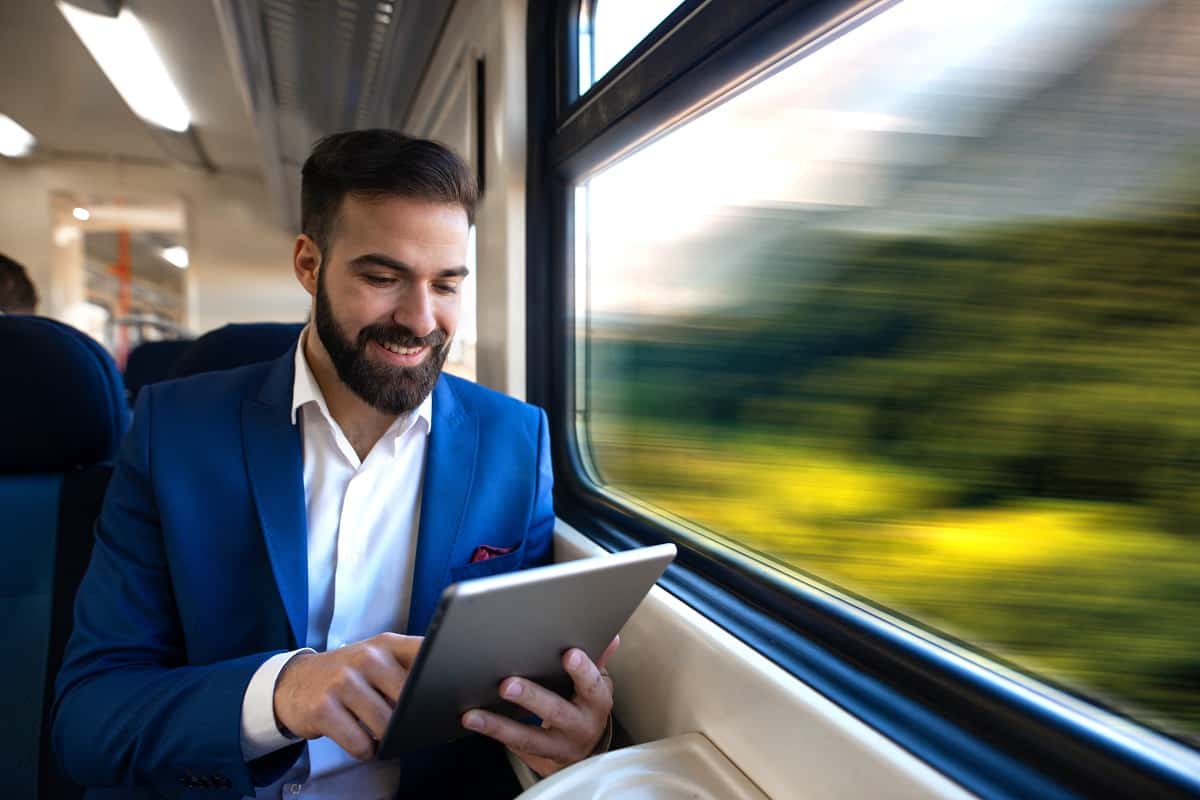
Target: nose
[415, 311]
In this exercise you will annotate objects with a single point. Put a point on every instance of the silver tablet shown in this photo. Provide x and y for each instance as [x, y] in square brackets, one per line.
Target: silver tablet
[519, 623]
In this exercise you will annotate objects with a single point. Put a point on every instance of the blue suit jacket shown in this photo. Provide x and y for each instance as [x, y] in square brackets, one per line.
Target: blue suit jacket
[199, 573]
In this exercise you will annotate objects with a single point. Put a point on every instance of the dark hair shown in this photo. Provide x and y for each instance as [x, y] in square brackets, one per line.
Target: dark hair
[17, 294]
[377, 163]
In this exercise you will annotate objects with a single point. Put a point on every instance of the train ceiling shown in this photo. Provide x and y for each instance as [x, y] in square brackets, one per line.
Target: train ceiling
[311, 67]
[263, 79]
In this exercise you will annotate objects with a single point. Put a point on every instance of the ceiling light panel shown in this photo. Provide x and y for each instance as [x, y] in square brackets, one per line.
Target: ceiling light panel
[126, 55]
[15, 141]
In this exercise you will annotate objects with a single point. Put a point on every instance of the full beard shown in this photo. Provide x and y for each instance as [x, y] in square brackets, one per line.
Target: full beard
[385, 387]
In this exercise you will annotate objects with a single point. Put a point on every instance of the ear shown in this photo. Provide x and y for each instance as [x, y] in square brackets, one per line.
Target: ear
[306, 261]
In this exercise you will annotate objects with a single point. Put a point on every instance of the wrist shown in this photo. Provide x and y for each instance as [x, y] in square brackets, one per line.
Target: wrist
[260, 733]
[280, 693]
[606, 737]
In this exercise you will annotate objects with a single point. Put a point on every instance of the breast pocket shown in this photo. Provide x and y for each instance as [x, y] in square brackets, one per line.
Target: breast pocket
[492, 566]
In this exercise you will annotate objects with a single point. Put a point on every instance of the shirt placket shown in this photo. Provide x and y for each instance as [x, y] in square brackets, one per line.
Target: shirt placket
[350, 546]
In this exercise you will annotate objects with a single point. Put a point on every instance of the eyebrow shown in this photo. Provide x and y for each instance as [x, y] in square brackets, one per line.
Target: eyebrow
[380, 260]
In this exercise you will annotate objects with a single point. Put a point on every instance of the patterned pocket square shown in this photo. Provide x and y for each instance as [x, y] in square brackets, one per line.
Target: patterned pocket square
[486, 551]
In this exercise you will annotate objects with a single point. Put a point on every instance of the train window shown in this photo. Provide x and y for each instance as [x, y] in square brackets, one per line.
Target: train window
[918, 315]
[608, 29]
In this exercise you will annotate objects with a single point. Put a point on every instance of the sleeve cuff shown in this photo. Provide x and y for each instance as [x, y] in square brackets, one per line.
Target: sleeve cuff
[260, 730]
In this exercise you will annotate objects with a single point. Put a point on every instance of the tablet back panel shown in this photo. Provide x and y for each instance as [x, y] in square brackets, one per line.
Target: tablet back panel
[515, 624]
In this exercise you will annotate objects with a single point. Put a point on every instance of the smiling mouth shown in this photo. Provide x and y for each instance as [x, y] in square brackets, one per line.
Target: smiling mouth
[403, 356]
[402, 351]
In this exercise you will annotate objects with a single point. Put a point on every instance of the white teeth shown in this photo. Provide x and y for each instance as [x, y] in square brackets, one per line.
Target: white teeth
[404, 351]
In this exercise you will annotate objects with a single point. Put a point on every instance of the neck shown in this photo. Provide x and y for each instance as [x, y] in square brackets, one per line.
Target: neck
[362, 423]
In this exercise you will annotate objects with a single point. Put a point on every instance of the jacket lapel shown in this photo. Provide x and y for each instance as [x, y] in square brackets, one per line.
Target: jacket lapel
[449, 472]
[274, 462]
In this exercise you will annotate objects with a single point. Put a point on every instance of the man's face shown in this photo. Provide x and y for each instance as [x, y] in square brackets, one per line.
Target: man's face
[387, 296]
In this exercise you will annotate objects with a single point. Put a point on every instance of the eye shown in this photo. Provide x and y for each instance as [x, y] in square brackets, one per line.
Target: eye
[379, 280]
[446, 288]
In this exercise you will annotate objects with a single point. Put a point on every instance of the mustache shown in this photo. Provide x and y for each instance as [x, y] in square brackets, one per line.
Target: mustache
[400, 336]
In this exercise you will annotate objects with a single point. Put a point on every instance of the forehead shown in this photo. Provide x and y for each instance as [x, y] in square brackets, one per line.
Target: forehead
[401, 226]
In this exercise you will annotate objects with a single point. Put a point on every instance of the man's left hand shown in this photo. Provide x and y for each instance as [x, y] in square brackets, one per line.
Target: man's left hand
[570, 729]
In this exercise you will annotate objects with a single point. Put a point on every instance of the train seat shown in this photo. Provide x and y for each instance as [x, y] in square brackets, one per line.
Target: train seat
[62, 416]
[151, 362]
[236, 345]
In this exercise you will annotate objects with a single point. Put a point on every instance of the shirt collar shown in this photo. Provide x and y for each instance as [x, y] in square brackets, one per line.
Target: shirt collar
[305, 390]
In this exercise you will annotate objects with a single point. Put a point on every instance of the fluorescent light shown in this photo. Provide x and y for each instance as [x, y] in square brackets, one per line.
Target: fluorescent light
[177, 256]
[81, 214]
[124, 52]
[15, 141]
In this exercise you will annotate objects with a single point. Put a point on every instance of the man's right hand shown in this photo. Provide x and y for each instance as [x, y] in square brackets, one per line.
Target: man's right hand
[346, 694]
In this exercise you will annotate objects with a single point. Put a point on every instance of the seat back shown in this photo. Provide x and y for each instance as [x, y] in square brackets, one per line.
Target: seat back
[151, 362]
[62, 416]
[236, 345]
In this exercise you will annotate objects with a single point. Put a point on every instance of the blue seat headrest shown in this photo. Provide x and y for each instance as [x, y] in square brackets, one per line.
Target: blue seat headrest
[236, 345]
[63, 404]
[151, 362]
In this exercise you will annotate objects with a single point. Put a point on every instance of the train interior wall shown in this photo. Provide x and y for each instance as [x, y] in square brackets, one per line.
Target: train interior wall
[446, 109]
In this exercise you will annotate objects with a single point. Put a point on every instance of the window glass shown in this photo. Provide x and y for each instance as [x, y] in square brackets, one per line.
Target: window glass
[919, 315]
[608, 29]
[460, 360]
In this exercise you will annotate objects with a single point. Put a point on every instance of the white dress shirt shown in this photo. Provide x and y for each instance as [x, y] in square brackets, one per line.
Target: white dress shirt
[363, 518]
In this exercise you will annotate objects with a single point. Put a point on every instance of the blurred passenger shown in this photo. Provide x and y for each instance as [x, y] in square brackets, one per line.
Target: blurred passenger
[17, 294]
[272, 530]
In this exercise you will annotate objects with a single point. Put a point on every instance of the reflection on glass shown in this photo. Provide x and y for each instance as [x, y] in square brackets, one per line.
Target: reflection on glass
[608, 29]
[919, 315]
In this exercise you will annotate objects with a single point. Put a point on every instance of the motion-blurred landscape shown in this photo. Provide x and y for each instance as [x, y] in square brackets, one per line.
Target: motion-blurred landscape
[975, 400]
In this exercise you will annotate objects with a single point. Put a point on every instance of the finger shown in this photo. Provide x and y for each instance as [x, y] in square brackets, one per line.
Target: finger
[341, 726]
[520, 737]
[403, 648]
[555, 711]
[381, 671]
[592, 687]
[608, 651]
[366, 704]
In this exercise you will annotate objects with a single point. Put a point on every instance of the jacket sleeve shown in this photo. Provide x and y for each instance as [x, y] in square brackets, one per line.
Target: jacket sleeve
[129, 710]
[539, 536]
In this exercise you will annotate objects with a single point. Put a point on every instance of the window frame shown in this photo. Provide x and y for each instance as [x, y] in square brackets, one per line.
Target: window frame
[994, 735]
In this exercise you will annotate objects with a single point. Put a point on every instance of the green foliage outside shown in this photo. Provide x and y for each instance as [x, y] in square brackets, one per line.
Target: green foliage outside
[996, 432]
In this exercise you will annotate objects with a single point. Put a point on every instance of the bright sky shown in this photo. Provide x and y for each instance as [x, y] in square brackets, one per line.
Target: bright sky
[816, 133]
[620, 25]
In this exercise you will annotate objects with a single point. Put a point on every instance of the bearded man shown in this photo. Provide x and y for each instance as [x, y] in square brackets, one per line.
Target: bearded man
[275, 538]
